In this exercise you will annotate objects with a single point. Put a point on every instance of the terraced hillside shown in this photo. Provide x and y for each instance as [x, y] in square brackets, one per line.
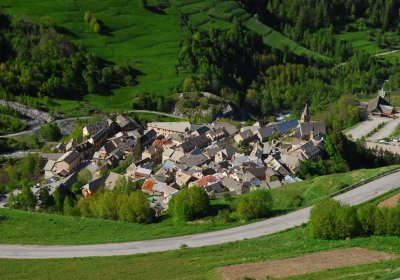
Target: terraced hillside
[148, 38]
[219, 14]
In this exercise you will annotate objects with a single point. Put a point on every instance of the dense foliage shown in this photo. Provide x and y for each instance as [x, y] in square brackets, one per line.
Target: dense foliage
[331, 220]
[36, 60]
[18, 172]
[125, 203]
[236, 65]
[189, 204]
[255, 204]
[50, 132]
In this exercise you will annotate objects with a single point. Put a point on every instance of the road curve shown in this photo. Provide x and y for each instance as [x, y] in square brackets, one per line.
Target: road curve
[361, 194]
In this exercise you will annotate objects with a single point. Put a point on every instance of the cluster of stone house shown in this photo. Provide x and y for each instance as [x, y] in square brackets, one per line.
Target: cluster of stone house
[218, 157]
[206, 155]
[107, 143]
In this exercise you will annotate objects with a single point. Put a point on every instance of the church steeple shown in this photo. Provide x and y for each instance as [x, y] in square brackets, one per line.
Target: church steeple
[305, 116]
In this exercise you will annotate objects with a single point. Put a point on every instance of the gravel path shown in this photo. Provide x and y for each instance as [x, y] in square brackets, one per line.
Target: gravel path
[363, 128]
[385, 131]
[270, 226]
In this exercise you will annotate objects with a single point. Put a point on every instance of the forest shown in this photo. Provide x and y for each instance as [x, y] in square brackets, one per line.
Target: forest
[35, 60]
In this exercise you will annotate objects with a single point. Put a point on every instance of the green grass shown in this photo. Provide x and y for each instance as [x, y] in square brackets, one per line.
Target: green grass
[203, 263]
[39, 228]
[314, 189]
[220, 13]
[147, 40]
[359, 40]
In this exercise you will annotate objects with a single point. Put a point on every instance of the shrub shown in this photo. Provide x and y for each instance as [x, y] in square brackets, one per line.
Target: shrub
[86, 207]
[322, 219]
[393, 221]
[134, 208]
[88, 16]
[346, 223]
[255, 204]
[50, 132]
[106, 206]
[84, 176]
[365, 215]
[294, 198]
[70, 208]
[189, 204]
[26, 200]
[224, 216]
[97, 27]
[380, 221]
[93, 21]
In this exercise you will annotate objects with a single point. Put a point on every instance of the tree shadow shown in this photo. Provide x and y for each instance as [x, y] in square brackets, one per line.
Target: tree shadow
[157, 9]
[214, 209]
[65, 31]
[105, 30]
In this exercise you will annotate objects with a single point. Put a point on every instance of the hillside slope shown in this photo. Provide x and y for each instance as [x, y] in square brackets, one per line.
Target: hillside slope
[148, 39]
[220, 13]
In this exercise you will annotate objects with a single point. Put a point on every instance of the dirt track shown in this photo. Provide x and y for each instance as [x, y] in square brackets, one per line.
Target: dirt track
[390, 202]
[304, 264]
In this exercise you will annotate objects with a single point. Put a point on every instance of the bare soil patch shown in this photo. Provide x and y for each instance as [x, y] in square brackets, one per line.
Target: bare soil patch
[304, 264]
[390, 202]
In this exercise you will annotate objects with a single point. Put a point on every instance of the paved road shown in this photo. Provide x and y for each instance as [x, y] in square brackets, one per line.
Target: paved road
[35, 130]
[363, 128]
[269, 226]
[155, 113]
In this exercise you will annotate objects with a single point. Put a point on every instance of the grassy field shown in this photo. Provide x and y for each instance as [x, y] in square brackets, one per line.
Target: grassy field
[359, 40]
[314, 189]
[203, 263]
[149, 39]
[220, 13]
[39, 228]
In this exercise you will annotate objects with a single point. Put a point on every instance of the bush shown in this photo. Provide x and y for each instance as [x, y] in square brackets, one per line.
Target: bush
[380, 221]
[70, 208]
[88, 16]
[97, 27]
[346, 223]
[50, 132]
[224, 216]
[106, 206]
[134, 208]
[255, 204]
[26, 200]
[93, 22]
[365, 215]
[84, 176]
[322, 219]
[393, 221]
[189, 204]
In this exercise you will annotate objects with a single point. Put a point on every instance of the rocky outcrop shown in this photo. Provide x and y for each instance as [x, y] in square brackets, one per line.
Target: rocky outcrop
[34, 116]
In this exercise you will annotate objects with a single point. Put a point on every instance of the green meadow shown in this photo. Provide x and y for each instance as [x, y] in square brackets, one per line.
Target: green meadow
[40, 228]
[148, 39]
[203, 263]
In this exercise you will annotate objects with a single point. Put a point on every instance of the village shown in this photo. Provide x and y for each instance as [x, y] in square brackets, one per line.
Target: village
[219, 157]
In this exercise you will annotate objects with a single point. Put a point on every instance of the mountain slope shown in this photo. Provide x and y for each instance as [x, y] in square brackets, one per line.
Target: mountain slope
[148, 39]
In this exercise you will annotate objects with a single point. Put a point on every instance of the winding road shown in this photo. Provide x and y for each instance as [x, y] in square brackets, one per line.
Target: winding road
[270, 226]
